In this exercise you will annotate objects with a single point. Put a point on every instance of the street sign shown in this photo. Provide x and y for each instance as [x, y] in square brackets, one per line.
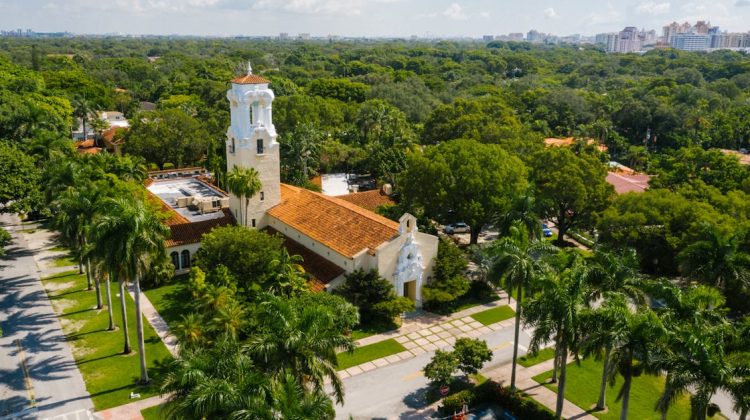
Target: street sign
[444, 390]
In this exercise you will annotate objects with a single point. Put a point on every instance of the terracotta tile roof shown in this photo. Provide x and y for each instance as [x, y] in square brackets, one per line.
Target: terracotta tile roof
[340, 225]
[191, 233]
[319, 270]
[369, 200]
[743, 157]
[568, 141]
[250, 79]
[90, 150]
[625, 183]
[85, 144]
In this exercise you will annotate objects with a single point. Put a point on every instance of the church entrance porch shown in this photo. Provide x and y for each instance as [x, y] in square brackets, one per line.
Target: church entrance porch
[410, 290]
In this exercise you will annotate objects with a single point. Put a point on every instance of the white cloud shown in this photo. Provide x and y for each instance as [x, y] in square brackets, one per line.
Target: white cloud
[487, 15]
[653, 8]
[318, 7]
[550, 13]
[454, 11]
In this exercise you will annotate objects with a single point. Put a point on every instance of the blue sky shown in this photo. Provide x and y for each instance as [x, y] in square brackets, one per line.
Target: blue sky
[364, 17]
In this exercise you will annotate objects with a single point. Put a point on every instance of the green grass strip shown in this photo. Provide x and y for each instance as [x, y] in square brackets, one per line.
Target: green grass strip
[494, 315]
[109, 375]
[369, 353]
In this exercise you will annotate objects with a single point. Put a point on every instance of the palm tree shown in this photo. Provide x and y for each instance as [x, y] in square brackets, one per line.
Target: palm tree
[75, 212]
[602, 327]
[695, 363]
[132, 237]
[524, 211]
[244, 183]
[616, 272]
[290, 277]
[222, 381]
[519, 261]
[640, 340]
[301, 341]
[555, 314]
[300, 152]
[696, 358]
[85, 110]
[717, 260]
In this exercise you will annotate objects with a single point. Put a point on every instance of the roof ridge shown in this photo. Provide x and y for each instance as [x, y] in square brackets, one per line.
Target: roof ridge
[352, 207]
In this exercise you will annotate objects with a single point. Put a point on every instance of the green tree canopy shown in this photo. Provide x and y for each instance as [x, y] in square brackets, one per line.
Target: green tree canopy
[463, 180]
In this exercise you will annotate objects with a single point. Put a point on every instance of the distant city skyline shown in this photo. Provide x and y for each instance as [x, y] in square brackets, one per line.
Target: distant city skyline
[368, 18]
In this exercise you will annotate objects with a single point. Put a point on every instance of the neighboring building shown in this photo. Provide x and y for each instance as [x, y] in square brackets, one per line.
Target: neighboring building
[569, 141]
[626, 180]
[629, 40]
[744, 158]
[488, 38]
[334, 235]
[691, 41]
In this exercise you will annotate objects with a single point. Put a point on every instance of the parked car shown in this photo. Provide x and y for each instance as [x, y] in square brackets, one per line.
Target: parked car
[546, 231]
[459, 227]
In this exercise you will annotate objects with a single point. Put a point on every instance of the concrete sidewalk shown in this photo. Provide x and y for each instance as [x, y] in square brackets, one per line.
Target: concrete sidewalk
[160, 325]
[130, 411]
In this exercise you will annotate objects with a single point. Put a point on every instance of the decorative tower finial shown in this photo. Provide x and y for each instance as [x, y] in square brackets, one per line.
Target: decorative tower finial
[249, 69]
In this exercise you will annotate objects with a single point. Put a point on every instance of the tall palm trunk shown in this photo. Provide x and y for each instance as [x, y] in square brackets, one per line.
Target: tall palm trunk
[96, 285]
[109, 304]
[601, 403]
[89, 280]
[516, 334]
[743, 414]
[126, 348]
[628, 380]
[561, 385]
[139, 332]
[80, 271]
[247, 203]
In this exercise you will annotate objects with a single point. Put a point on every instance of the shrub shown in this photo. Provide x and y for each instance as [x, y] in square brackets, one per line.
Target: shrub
[5, 239]
[449, 282]
[374, 296]
[517, 403]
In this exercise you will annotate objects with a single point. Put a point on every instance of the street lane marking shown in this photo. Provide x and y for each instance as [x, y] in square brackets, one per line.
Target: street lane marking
[413, 376]
[502, 345]
[26, 376]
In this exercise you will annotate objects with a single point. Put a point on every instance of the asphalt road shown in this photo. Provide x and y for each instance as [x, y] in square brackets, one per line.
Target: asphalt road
[398, 391]
[38, 375]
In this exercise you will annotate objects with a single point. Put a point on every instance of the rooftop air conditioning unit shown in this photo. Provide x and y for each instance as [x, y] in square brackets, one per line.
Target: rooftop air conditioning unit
[184, 201]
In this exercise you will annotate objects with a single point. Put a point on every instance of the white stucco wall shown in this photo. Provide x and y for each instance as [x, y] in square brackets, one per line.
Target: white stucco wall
[192, 248]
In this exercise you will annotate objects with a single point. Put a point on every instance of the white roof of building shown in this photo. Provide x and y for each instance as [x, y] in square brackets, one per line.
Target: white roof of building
[169, 190]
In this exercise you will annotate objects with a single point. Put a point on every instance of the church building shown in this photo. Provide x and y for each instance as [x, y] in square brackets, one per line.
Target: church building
[333, 235]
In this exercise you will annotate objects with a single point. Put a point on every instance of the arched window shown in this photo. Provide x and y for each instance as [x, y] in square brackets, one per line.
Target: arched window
[185, 259]
[175, 259]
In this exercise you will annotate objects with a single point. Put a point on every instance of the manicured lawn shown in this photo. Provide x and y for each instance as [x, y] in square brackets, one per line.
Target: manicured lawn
[543, 355]
[369, 353]
[582, 389]
[109, 375]
[491, 316]
[153, 413]
[170, 300]
[64, 261]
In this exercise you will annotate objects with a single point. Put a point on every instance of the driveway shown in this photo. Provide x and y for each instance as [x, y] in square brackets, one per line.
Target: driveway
[38, 375]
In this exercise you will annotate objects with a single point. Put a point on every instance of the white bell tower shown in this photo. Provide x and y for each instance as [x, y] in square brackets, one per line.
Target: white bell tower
[251, 143]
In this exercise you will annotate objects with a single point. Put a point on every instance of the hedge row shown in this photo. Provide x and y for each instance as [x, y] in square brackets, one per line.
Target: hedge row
[516, 402]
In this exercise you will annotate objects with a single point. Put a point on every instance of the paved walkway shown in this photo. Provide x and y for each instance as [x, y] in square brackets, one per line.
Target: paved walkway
[440, 335]
[538, 391]
[37, 369]
[130, 411]
[160, 325]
